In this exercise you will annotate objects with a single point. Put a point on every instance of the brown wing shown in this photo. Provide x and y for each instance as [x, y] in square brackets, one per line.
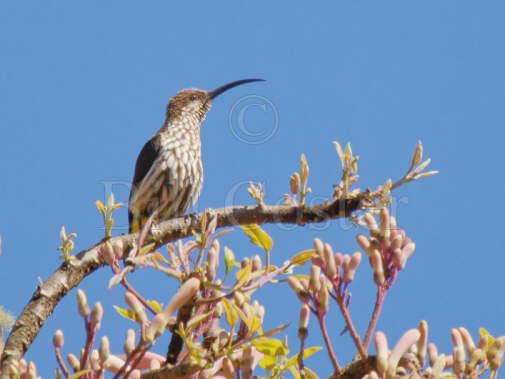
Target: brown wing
[145, 160]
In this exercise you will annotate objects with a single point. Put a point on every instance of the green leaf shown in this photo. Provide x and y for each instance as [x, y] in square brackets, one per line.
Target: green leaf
[243, 275]
[156, 306]
[126, 313]
[258, 236]
[270, 346]
[229, 259]
[268, 362]
[231, 313]
[306, 353]
[302, 257]
[78, 374]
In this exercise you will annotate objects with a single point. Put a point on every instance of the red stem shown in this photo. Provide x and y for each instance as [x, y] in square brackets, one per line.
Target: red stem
[90, 335]
[379, 300]
[329, 347]
[350, 326]
[60, 361]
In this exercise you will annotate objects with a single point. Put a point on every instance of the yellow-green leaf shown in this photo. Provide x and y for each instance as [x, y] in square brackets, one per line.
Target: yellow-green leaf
[231, 313]
[126, 313]
[146, 249]
[78, 374]
[270, 346]
[193, 323]
[306, 353]
[156, 306]
[229, 259]
[275, 330]
[243, 275]
[302, 257]
[100, 206]
[258, 236]
[268, 362]
[483, 333]
[309, 374]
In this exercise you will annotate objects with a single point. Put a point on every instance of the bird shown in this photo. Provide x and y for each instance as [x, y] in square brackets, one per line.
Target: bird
[168, 174]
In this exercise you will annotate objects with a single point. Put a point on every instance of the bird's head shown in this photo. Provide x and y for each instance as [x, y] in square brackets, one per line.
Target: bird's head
[195, 103]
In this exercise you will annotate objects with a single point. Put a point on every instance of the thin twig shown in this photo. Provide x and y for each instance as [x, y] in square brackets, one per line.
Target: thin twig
[350, 326]
[379, 300]
[327, 342]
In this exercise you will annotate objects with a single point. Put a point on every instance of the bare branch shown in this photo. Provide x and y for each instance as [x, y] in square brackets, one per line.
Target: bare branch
[70, 273]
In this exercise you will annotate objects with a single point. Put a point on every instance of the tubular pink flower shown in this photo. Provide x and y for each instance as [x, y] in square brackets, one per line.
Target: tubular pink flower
[402, 346]
[381, 346]
[456, 339]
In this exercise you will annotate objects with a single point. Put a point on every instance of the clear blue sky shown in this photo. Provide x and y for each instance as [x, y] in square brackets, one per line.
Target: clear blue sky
[84, 84]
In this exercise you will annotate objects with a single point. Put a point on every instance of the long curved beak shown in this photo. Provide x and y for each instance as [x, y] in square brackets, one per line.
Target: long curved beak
[226, 87]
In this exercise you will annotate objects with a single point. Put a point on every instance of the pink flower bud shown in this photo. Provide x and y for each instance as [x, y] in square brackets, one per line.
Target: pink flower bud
[73, 362]
[58, 339]
[157, 327]
[82, 303]
[304, 322]
[339, 259]
[458, 356]
[297, 287]
[246, 363]
[314, 283]
[137, 307]
[350, 267]
[96, 316]
[403, 345]
[371, 223]
[319, 247]
[129, 344]
[363, 242]
[107, 253]
[118, 249]
[467, 340]
[104, 348]
[32, 371]
[408, 249]
[188, 289]
[257, 265]
[396, 240]
[385, 226]
[377, 267]
[94, 360]
[212, 260]
[381, 346]
[322, 299]
[329, 259]
[422, 344]
[456, 339]
[432, 353]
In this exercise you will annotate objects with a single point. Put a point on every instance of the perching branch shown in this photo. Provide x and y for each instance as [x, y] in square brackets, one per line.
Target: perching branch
[72, 272]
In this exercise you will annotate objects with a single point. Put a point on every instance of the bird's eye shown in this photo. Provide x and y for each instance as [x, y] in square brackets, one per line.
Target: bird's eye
[193, 97]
